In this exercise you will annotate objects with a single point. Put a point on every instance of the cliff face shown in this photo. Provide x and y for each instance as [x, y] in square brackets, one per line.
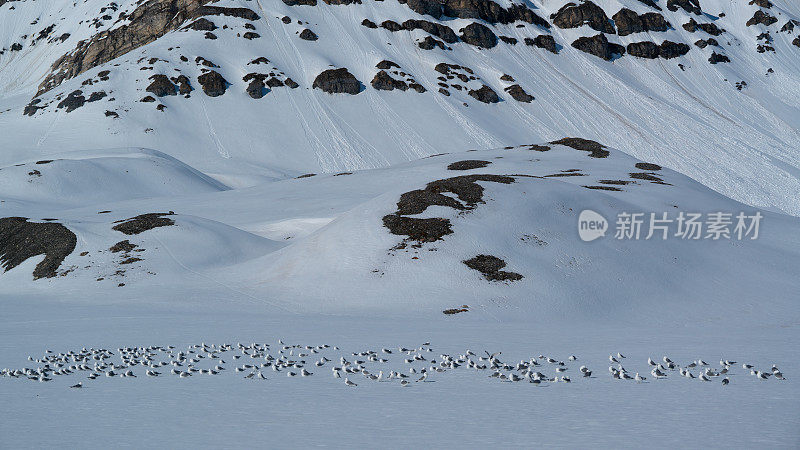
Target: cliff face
[147, 23]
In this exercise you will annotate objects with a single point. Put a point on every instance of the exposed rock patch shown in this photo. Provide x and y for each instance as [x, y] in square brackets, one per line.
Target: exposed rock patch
[468, 164]
[599, 46]
[478, 35]
[595, 149]
[518, 93]
[144, 222]
[490, 267]
[587, 13]
[161, 86]
[485, 94]
[20, 240]
[337, 81]
[213, 83]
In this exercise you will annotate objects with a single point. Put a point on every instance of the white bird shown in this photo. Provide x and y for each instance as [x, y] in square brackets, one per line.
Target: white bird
[612, 359]
[348, 382]
[305, 373]
[778, 375]
[651, 362]
[573, 357]
[423, 377]
[639, 378]
[703, 377]
[620, 355]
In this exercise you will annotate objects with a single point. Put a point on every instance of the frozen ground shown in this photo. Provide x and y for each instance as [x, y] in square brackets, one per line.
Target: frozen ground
[461, 407]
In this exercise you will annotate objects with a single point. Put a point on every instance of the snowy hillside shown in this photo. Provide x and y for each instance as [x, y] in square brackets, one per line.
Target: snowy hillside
[730, 125]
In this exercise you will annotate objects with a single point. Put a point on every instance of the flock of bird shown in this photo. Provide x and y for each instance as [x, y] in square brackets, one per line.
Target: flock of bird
[262, 361]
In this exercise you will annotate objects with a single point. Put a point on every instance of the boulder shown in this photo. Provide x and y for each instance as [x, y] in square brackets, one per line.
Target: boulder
[599, 46]
[485, 94]
[478, 35]
[546, 42]
[647, 50]
[761, 17]
[161, 86]
[692, 6]
[587, 13]
[518, 93]
[337, 81]
[669, 49]
[718, 58]
[308, 35]
[213, 83]
[384, 82]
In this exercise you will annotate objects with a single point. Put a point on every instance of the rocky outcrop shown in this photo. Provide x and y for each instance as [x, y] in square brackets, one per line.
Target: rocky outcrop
[308, 35]
[762, 3]
[588, 13]
[647, 50]
[300, 2]
[443, 32]
[20, 240]
[337, 81]
[518, 93]
[599, 46]
[161, 86]
[478, 35]
[760, 17]
[692, 6]
[430, 43]
[369, 24]
[486, 10]
[384, 82]
[628, 22]
[716, 58]
[213, 83]
[148, 22]
[669, 49]
[546, 42]
[73, 101]
[485, 94]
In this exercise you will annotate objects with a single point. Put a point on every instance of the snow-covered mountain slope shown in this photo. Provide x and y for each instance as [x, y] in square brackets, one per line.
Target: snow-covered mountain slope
[400, 239]
[732, 126]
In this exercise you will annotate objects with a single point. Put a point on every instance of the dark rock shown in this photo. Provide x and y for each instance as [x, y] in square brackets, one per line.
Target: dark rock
[391, 25]
[308, 35]
[647, 50]
[628, 22]
[762, 3]
[342, 2]
[599, 46]
[587, 13]
[386, 65]
[468, 164]
[692, 6]
[718, 58]
[291, 83]
[654, 22]
[123, 246]
[544, 41]
[256, 89]
[286, 20]
[669, 49]
[15, 47]
[490, 267]
[112, 114]
[184, 87]
[99, 95]
[417, 87]
[519, 94]
[73, 101]
[202, 24]
[443, 32]
[486, 10]
[761, 17]
[161, 86]
[384, 82]
[796, 41]
[651, 3]
[509, 40]
[478, 35]
[20, 240]
[300, 2]
[31, 108]
[337, 81]
[251, 35]
[368, 23]
[420, 230]
[429, 43]
[485, 94]
[595, 149]
[148, 99]
[211, 36]
[213, 83]
[647, 166]
[143, 222]
[274, 82]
